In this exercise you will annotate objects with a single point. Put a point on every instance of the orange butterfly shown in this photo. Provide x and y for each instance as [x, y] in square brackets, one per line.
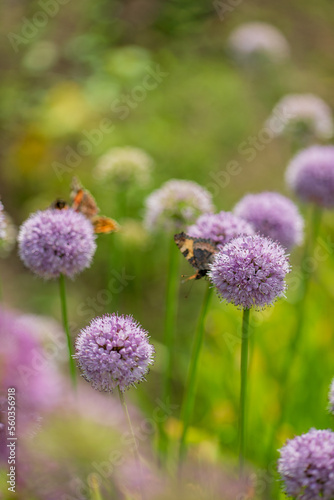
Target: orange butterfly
[82, 201]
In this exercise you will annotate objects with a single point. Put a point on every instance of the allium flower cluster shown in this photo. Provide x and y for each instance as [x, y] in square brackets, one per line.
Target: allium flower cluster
[54, 242]
[303, 113]
[259, 38]
[176, 204]
[310, 175]
[331, 397]
[2, 222]
[125, 165]
[306, 466]
[114, 351]
[220, 228]
[272, 215]
[249, 271]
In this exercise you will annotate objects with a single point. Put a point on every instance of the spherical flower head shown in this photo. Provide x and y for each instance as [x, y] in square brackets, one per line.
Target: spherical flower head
[220, 228]
[54, 242]
[331, 397]
[310, 175]
[273, 215]
[176, 204]
[125, 165]
[249, 271]
[2, 222]
[114, 351]
[306, 466]
[258, 38]
[302, 114]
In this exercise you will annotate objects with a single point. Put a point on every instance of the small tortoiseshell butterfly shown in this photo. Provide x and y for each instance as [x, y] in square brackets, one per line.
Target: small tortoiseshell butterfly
[199, 252]
[82, 201]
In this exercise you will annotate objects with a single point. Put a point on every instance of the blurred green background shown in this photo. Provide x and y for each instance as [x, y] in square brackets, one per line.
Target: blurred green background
[59, 84]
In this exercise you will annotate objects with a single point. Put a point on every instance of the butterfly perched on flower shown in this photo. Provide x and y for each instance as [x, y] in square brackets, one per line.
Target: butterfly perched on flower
[83, 201]
[199, 252]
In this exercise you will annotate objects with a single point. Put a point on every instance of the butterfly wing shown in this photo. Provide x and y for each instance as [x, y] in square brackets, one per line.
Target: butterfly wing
[104, 225]
[82, 200]
[199, 252]
[204, 252]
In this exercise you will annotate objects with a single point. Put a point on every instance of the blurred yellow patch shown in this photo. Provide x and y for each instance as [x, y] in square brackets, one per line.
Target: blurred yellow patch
[66, 110]
[29, 152]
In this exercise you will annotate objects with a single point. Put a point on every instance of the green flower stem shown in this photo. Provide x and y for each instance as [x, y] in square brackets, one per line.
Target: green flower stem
[136, 450]
[169, 332]
[189, 396]
[95, 493]
[62, 291]
[243, 388]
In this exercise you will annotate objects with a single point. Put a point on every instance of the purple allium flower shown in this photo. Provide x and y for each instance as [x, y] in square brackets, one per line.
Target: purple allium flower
[305, 113]
[249, 271]
[255, 38]
[55, 242]
[2, 222]
[220, 228]
[310, 175]
[272, 215]
[114, 351]
[331, 397]
[176, 204]
[306, 466]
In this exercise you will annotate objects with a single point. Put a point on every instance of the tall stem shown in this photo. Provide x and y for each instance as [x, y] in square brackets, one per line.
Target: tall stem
[62, 291]
[189, 396]
[169, 331]
[243, 388]
[136, 450]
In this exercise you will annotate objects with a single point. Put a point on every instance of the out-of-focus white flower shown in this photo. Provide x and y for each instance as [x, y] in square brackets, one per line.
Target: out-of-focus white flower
[257, 38]
[302, 114]
[125, 165]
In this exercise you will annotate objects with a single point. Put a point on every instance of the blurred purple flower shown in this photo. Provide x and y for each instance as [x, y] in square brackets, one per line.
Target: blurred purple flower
[26, 366]
[272, 215]
[306, 466]
[114, 351]
[220, 228]
[249, 271]
[310, 175]
[176, 204]
[55, 242]
[2, 222]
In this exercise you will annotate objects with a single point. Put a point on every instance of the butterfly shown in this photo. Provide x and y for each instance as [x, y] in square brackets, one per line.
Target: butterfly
[83, 201]
[199, 252]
